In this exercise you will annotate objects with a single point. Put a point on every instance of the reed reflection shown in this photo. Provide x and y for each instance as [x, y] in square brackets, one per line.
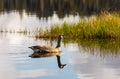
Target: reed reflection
[99, 47]
[47, 55]
[45, 8]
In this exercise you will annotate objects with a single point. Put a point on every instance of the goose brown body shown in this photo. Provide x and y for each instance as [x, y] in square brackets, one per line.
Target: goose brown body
[47, 49]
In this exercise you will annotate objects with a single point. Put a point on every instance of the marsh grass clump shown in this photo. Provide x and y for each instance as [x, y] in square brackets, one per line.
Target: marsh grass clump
[38, 33]
[105, 25]
[102, 26]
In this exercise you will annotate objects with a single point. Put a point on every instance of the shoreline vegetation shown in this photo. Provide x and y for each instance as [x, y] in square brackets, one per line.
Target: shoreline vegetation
[103, 26]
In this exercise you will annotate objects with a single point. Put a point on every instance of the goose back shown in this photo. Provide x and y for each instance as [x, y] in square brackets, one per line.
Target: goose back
[47, 49]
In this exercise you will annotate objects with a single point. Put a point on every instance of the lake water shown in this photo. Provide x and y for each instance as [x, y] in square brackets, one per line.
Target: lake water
[84, 59]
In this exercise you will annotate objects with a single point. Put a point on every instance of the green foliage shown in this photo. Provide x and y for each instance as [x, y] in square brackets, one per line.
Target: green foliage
[105, 25]
[102, 26]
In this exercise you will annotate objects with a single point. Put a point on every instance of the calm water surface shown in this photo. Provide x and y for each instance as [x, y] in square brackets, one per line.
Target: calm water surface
[83, 62]
[13, 21]
[85, 59]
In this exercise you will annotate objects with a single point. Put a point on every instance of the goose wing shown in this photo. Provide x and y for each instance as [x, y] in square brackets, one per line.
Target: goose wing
[45, 48]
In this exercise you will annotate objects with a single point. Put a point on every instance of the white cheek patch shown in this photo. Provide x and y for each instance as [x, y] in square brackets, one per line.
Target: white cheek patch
[61, 36]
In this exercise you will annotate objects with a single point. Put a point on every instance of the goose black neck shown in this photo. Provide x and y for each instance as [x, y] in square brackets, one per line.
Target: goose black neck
[58, 43]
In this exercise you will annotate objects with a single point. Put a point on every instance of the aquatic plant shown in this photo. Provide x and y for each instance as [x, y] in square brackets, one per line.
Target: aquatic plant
[102, 26]
[105, 25]
[23, 31]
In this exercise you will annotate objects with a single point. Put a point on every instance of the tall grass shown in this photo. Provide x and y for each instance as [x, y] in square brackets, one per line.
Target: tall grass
[105, 25]
[102, 26]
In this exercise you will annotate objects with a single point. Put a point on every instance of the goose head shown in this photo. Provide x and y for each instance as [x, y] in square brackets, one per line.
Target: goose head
[60, 36]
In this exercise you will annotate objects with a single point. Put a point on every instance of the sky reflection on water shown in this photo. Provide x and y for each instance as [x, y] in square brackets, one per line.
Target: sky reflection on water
[84, 59]
[81, 64]
[13, 21]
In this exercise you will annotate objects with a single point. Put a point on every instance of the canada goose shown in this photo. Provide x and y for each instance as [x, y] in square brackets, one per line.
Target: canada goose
[47, 49]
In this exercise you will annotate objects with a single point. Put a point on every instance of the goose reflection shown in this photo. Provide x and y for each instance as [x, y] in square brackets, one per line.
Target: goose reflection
[46, 55]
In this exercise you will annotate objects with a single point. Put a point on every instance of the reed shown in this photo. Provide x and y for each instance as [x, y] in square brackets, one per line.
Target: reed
[105, 25]
[23, 31]
[1, 30]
